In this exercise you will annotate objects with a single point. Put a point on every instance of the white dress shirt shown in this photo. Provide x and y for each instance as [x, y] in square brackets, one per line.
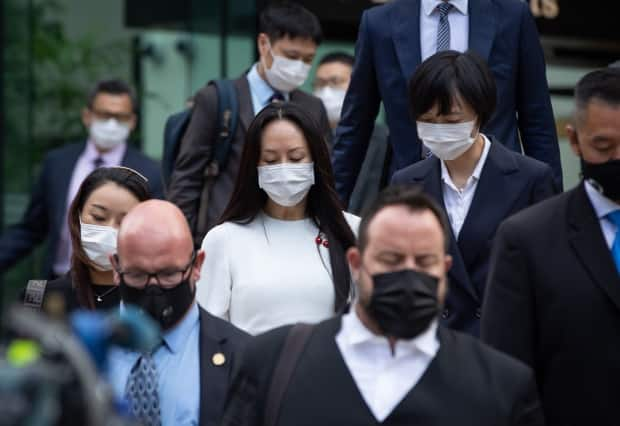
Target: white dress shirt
[602, 207]
[429, 23]
[382, 377]
[458, 201]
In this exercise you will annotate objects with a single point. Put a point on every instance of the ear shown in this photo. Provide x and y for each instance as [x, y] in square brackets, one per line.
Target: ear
[448, 262]
[200, 258]
[132, 122]
[262, 43]
[571, 131]
[354, 257]
[87, 117]
[115, 268]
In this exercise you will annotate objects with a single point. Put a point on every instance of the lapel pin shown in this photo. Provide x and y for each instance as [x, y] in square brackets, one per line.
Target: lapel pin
[218, 359]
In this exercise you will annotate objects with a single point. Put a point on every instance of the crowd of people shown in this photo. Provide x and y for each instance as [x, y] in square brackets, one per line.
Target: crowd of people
[292, 288]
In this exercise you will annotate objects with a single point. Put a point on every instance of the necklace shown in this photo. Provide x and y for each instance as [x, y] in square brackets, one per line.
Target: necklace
[100, 297]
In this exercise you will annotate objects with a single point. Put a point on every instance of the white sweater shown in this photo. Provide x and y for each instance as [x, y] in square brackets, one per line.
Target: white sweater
[267, 273]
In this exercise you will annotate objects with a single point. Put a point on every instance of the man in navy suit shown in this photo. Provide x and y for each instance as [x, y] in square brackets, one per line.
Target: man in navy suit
[109, 117]
[472, 176]
[395, 38]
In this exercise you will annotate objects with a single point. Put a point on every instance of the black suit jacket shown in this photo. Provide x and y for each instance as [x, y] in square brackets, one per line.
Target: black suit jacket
[387, 54]
[553, 300]
[467, 383]
[196, 150]
[46, 210]
[508, 183]
[216, 337]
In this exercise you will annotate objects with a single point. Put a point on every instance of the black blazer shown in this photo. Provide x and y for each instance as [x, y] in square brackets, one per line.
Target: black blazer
[196, 149]
[553, 300]
[216, 337]
[46, 211]
[467, 383]
[508, 183]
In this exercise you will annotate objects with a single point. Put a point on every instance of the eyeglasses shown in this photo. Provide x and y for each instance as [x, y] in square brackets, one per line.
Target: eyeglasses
[106, 115]
[165, 279]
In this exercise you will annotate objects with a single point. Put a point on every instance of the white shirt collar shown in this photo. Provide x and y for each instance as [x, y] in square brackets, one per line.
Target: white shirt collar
[429, 6]
[475, 175]
[355, 333]
[602, 205]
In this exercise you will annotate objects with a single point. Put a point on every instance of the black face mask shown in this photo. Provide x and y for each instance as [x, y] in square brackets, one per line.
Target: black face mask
[166, 306]
[404, 303]
[606, 177]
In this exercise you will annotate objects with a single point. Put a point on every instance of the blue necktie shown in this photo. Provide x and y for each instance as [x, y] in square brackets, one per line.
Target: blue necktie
[614, 217]
[141, 391]
[443, 31]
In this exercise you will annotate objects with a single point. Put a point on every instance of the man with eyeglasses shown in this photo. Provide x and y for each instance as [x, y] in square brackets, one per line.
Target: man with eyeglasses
[185, 379]
[109, 118]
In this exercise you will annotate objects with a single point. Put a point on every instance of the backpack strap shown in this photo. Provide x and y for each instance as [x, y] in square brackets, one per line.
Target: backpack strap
[33, 296]
[226, 125]
[294, 345]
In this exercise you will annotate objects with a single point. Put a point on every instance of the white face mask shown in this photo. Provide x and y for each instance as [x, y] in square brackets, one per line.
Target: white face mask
[447, 141]
[286, 184]
[98, 243]
[106, 134]
[332, 98]
[285, 75]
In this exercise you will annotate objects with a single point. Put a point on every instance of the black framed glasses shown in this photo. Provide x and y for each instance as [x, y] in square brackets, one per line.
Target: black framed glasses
[106, 115]
[164, 279]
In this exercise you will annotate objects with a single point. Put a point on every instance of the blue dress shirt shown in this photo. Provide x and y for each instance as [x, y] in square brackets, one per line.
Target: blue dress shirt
[178, 366]
[260, 90]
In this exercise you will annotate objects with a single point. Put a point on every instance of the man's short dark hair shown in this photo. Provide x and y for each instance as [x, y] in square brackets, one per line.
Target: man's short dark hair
[443, 76]
[112, 87]
[603, 84]
[340, 57]
[410, 197]
[287, 19]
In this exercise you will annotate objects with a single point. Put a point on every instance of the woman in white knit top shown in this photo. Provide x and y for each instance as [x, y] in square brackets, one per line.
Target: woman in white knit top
[278, 255]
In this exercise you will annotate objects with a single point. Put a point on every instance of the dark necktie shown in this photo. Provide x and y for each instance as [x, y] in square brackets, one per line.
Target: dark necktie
[443, 30]
[98, 162]
[276, 97]
[614, 217]
[141, 391]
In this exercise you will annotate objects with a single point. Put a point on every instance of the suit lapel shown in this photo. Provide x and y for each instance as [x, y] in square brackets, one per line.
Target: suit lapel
[586, 238]
[482, 27]
[213, 378]
[246, 110]
[495, 195]
[430, 180]
[406, 35]
[60, 184]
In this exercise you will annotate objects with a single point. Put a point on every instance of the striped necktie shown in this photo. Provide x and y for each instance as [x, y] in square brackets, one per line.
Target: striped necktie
[443, 30]
[614, 217]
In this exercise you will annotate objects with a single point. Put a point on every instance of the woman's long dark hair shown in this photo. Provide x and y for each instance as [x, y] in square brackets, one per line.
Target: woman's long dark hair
[323, 205]
[127, 179]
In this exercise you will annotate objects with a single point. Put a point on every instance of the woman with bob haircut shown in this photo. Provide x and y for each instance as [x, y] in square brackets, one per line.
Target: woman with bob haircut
[103, 199]
[472, 175]
[278, 254]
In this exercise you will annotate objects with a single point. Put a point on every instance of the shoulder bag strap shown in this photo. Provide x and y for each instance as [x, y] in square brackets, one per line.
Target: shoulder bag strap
[293, 346]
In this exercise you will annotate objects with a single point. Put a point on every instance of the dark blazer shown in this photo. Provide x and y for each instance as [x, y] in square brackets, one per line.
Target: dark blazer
[373, 175]
[46, 210]
[388, 51]
[508, 183]
[553, 300]
[197, 145]
[467, 383]
[216, 337]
